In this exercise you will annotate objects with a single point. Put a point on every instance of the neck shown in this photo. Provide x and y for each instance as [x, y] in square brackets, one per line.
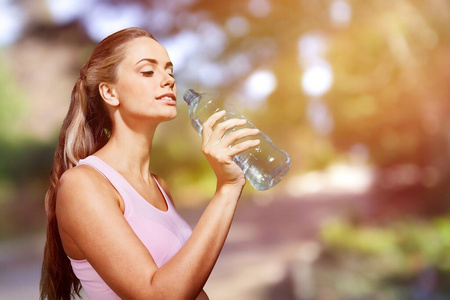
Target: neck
[129, 150]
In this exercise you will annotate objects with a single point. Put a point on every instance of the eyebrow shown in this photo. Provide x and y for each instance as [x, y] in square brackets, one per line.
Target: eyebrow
[154, 61]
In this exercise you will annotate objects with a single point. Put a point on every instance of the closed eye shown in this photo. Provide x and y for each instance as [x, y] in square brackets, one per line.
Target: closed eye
[148, 73]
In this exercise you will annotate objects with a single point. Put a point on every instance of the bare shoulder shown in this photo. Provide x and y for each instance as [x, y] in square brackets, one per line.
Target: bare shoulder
[79, 185]
[91, 221]
[79, 175]
[81, 179]
[164, 186]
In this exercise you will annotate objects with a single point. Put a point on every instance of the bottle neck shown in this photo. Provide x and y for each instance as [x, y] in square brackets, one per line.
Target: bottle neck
[191, 96]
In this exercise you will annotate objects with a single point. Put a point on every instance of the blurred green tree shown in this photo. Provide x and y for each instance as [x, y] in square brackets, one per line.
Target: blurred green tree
[390, 72]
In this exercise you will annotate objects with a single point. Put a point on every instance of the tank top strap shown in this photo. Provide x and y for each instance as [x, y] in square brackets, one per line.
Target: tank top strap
[106, 170]
[114, 177]
[169, 203]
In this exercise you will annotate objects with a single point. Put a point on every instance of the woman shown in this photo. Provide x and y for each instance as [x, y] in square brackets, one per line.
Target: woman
[112, 227]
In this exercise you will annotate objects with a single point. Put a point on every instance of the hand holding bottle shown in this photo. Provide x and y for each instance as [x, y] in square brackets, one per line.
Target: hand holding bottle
[263, 165]
[220, 143]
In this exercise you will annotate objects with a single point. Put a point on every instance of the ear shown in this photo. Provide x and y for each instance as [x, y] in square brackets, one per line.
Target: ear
[109, 94]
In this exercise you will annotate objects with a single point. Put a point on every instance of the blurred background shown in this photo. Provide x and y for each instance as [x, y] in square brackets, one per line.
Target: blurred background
[357, 92]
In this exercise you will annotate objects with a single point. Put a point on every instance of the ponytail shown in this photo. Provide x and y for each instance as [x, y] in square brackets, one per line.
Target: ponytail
[85, 130]
[76, 141]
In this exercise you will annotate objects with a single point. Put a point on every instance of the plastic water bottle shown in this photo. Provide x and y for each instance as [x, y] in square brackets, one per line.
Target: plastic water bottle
[263, 165]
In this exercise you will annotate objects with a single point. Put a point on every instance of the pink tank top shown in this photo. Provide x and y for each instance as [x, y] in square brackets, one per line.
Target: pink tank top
[163, 233]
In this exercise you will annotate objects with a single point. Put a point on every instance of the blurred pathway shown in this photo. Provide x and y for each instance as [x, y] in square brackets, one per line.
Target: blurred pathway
[269, 242]
[269, 238]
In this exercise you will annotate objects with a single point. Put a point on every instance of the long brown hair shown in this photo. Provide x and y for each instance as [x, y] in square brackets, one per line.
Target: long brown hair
[85, 130]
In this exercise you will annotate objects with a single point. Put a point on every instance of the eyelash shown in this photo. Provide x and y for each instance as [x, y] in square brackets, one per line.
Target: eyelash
[150, 73]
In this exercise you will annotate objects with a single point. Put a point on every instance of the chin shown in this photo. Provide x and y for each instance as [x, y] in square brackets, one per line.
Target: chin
[169, 117]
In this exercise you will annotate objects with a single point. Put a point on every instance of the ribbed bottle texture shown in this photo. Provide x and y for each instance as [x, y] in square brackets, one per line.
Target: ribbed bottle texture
[264, 165]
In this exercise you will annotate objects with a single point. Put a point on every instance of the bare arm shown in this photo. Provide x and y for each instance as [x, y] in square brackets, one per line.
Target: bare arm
[96, 225]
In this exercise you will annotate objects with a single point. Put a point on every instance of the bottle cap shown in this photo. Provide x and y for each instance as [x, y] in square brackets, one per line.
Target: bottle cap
[190, 95]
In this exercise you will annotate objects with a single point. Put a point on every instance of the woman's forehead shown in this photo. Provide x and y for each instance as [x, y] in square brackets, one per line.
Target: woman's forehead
[145, 48]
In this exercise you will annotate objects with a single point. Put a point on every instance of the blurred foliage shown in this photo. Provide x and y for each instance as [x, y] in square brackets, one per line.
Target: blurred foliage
[389, 97]
[389, 67]
[394, 256]
[11, 104]
[24, 165]
[389, 93]
[406, 242]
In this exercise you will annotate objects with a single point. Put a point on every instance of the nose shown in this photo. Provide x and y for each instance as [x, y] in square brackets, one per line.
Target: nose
[167, 80]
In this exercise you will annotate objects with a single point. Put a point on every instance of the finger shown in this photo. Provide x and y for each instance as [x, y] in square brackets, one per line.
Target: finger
[239, 134]
[207, 126]
[212, 120]
[241, 147]
[225, 126]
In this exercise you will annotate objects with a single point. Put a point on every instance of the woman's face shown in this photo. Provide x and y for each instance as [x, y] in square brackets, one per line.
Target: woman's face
[146, 87]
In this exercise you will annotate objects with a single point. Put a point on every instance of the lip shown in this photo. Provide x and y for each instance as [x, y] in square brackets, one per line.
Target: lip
[170, 95]
[167, 98]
